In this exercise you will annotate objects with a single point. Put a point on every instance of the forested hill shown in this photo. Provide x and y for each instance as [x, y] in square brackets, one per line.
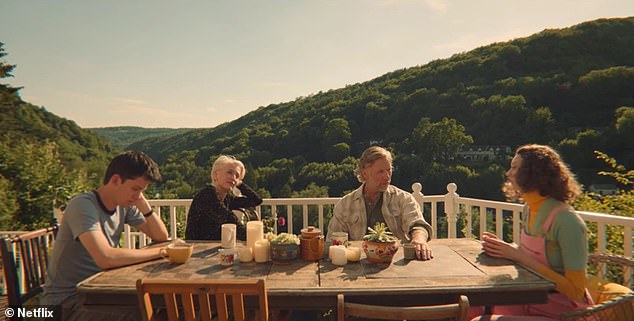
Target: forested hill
[122, 136]
[23, 122]
[44, 159]
[571, 88]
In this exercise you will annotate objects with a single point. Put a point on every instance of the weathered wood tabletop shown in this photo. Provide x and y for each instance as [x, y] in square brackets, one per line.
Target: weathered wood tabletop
[458, 267]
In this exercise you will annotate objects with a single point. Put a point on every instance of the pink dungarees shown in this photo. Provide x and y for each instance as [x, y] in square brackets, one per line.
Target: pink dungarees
[535, 247]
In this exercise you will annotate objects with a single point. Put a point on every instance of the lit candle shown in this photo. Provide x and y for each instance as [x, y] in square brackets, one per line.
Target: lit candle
[261, 251]
[339, 255]
[353, 254]
[255, 232]
[245, 254]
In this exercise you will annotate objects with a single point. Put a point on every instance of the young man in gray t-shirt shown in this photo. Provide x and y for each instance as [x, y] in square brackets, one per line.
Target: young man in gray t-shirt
[88, 238]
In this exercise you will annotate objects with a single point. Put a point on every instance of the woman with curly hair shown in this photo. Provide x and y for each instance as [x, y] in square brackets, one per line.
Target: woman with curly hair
[553, 239]
[214, 204]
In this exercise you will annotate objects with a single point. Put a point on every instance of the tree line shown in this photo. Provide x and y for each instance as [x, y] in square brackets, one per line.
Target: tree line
[568, 88]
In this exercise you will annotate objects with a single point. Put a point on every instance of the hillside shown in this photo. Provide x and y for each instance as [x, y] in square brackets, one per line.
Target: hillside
[571, 88]
[77, 147]
[122, 136]
[44, 159]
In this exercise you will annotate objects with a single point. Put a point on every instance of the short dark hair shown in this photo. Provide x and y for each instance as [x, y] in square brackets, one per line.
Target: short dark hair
[132, 165]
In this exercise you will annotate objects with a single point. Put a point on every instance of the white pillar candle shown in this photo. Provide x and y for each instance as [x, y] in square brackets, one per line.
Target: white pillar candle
[339, 256]
[261, 251]
[353, 254]
[245, 254]
[330, 249]
[255, 232]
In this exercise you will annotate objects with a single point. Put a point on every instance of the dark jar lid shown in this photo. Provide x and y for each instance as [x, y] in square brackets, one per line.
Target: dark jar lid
[310, 232]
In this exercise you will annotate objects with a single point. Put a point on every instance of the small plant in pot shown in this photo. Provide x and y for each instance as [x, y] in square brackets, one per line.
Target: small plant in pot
[284, 247]
[379, 244]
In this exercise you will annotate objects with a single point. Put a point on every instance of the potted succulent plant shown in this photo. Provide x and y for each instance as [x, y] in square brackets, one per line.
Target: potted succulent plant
[284, 247]
[379, 244]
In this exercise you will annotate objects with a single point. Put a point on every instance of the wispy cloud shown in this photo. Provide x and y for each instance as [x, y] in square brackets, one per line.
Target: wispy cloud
[129, 101]
[212, 109]
[438, 6]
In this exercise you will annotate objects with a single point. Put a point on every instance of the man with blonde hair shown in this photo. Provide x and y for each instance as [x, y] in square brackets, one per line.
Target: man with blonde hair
[376, 201]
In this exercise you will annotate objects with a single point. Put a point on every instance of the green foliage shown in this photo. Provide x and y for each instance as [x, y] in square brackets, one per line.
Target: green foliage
[5, 72]
[620, 203]
[621, 174]
[558, 87]
[569, 88]
[283, 238]
[78, 148]
[122, 136]
[33, 179]
[182, 178]
[439, 141]
[44, 159]
[10, 204]
[380, 233]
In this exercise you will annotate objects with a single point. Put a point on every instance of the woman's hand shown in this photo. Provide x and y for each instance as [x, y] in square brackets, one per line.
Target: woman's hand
[495, 247]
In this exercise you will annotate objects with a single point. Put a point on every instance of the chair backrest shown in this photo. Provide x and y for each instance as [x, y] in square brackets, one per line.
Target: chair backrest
[619, 309]
[33, 261]
[202, 292]
[612, 266]
[456, 311]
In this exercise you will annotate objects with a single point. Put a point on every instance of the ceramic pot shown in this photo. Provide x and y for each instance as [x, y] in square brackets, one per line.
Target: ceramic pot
[380, 252]
[311, 244]
[284, 252]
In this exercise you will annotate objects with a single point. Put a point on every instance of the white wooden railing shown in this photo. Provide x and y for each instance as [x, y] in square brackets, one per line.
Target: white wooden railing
[440, 210]
[450, 214]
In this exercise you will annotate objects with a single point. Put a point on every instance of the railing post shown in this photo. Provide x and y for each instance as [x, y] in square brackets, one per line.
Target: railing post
[173, 230]
[127, 238]
[451, 209]
[417, 192]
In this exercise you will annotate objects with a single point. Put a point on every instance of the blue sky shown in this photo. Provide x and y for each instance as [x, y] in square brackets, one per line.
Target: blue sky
[202, 63]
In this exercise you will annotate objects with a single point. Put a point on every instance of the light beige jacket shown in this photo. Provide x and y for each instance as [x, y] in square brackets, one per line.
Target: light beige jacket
[400, 211]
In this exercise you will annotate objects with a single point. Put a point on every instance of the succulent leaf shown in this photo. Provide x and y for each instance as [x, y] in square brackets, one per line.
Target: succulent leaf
[380, 233]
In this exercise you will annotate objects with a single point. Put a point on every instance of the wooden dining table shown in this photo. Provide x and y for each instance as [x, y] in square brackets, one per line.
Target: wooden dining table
[459, 267]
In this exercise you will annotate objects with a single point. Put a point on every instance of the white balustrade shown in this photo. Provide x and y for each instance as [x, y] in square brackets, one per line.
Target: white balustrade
[439, 210]
[449, 209]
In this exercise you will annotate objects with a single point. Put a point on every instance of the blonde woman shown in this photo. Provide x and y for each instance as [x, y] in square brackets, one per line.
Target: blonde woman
[213, 205]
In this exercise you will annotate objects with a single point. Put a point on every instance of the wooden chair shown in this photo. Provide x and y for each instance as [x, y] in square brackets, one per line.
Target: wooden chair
[619, 307]
[456, 311]
[33, 248]
[624, 265]
[186, 292]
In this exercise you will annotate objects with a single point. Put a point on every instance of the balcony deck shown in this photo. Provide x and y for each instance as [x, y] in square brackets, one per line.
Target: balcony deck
[450, 216]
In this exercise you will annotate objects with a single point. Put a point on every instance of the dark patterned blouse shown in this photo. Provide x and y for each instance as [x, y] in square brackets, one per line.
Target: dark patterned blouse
[207, 213]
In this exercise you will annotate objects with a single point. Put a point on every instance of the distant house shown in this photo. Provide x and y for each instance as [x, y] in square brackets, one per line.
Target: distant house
[484, 152]
[603, 189]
